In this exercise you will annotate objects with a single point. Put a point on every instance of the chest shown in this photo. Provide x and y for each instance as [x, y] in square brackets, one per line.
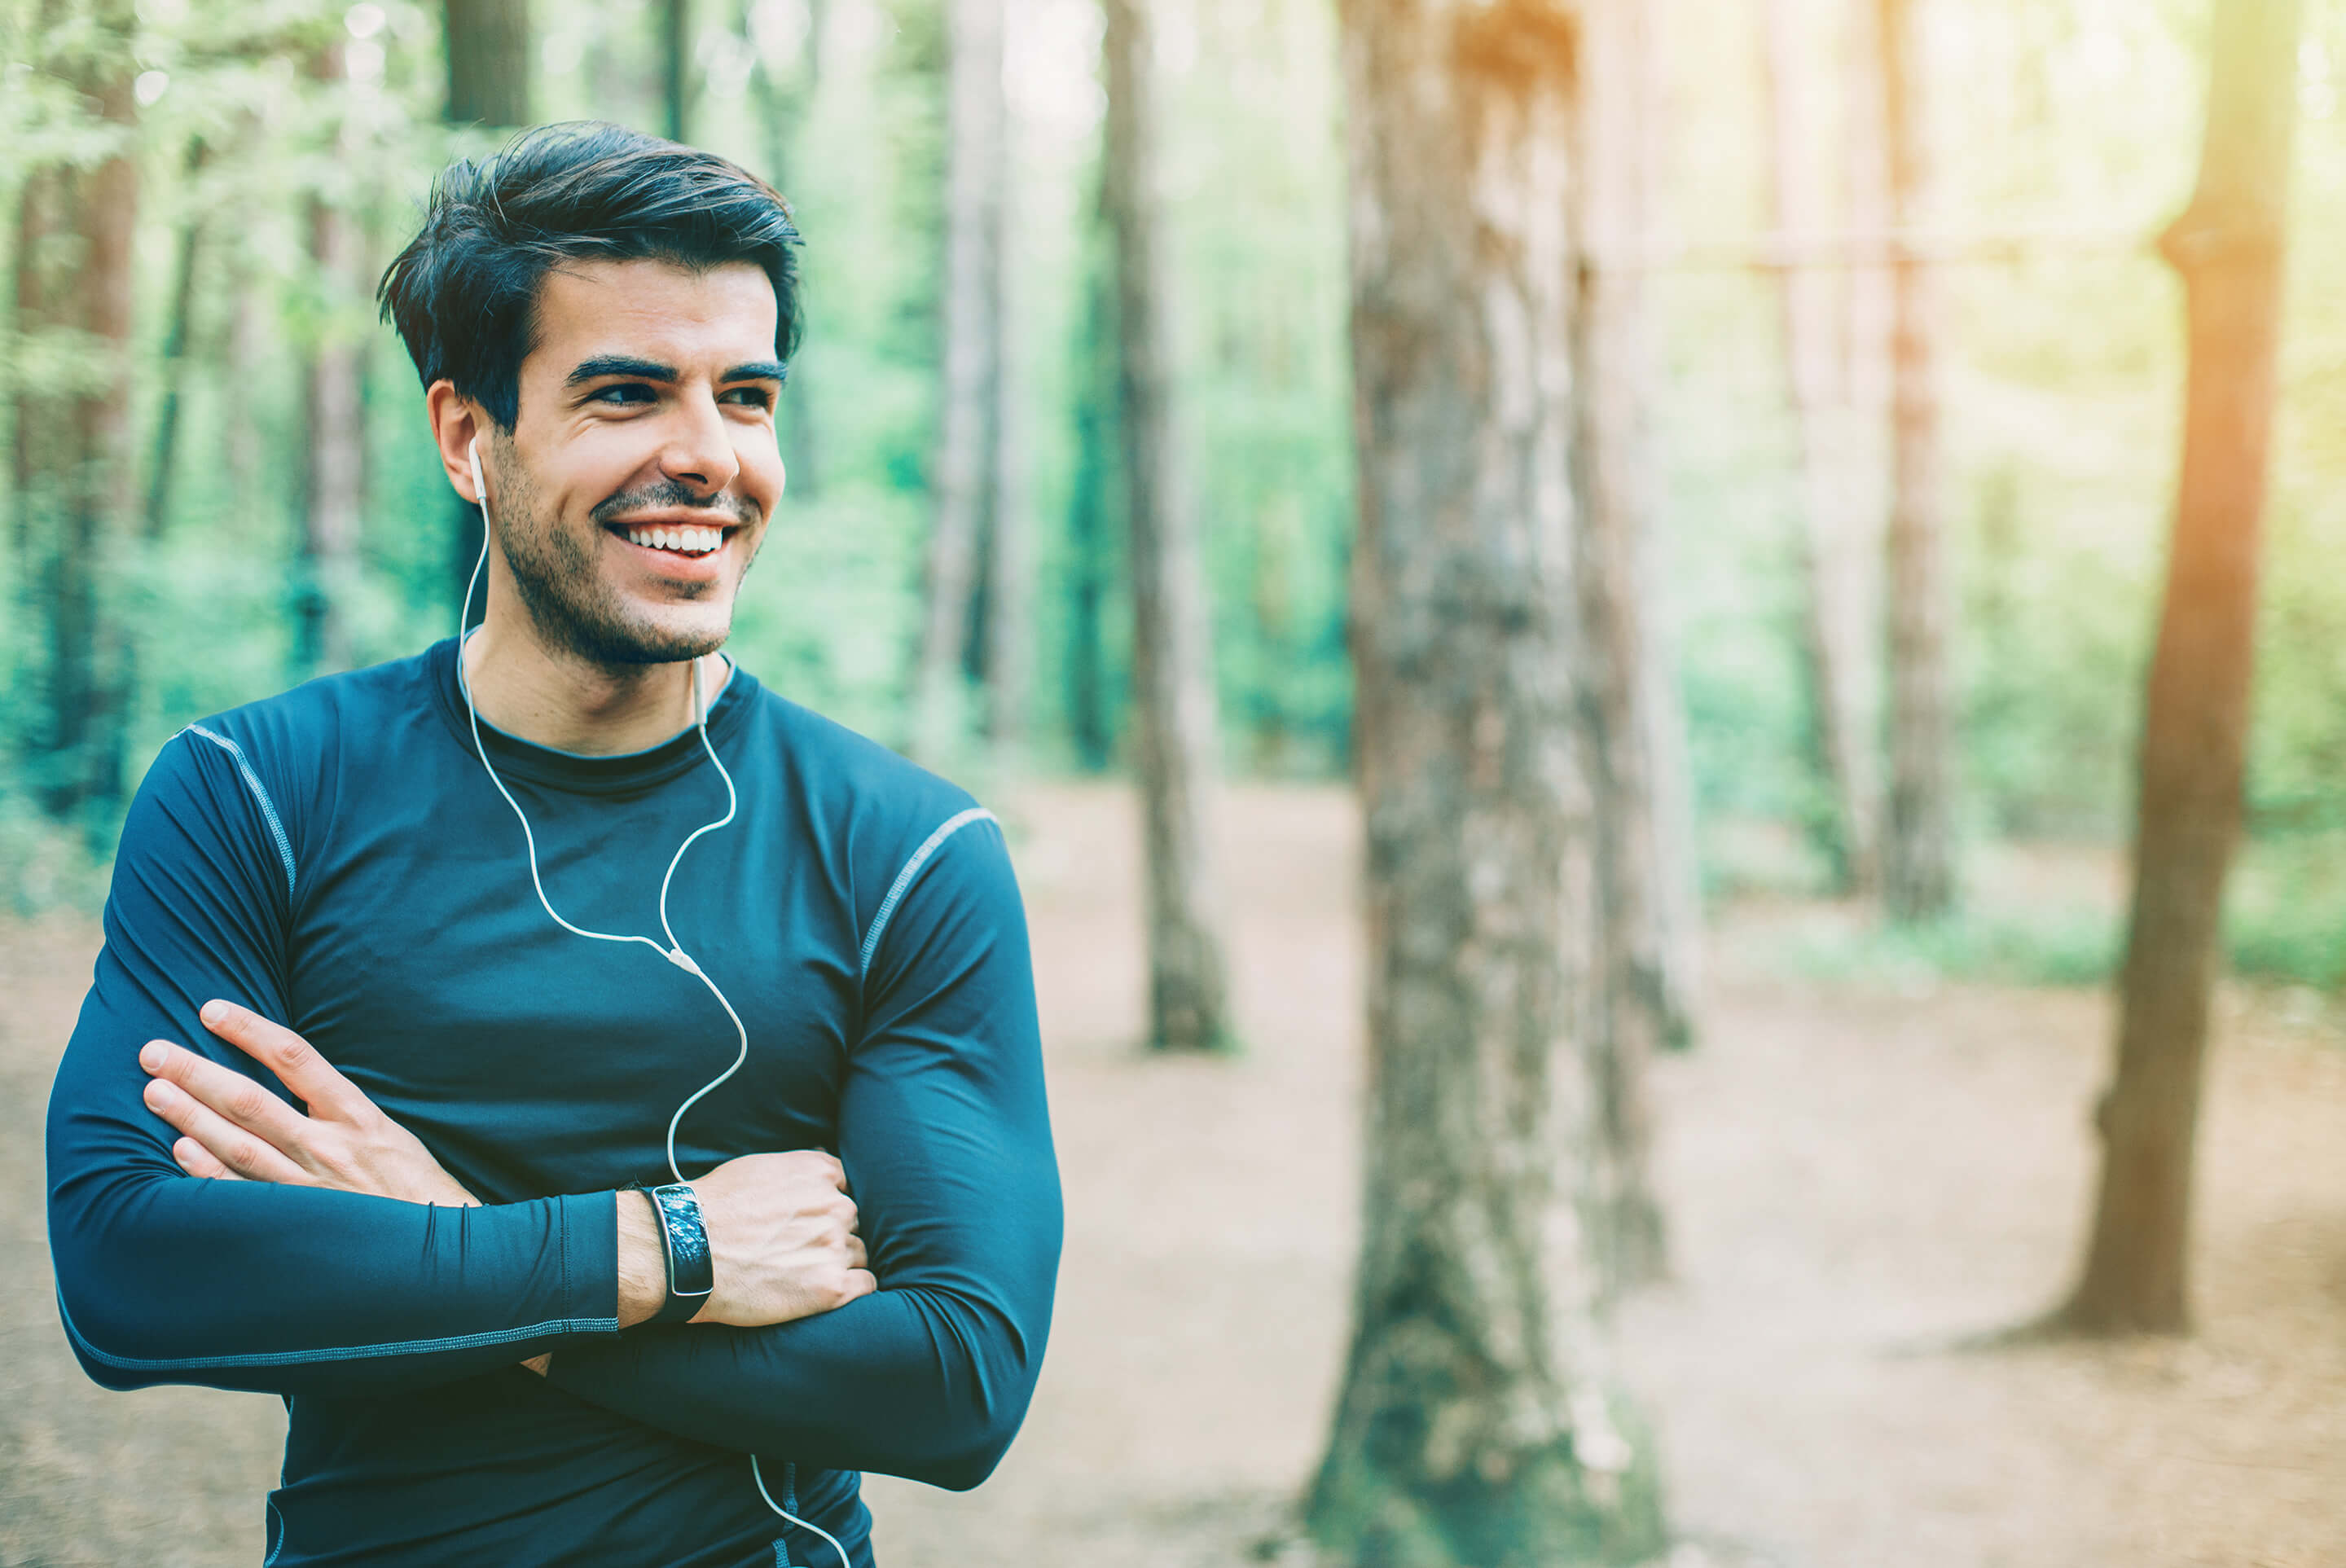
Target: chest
[533, 1060]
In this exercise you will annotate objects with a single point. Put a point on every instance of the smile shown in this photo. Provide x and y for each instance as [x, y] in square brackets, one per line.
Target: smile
[689, 540]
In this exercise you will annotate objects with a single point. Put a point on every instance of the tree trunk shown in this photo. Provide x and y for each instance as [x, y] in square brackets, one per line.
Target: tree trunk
[1843, 825]
[1644, 1002]
[1918, 849]
[175, 350]
[963, 481]
[488, 43]
[39, 306]
[334, 493]
[676, 68]
[488, 62]
[2227, 246]
[1010, 574]
[1478, 1423]
[784, 111]
[96, 479]
[1173, 699]
[1090, 523]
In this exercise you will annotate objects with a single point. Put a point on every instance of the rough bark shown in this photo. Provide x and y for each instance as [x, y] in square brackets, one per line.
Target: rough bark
[1843, 823]
[1644, 1004]
[962, 481]
[1173, 698]
[1918, 837]
[334, 491]
[1478, 1422]
[2227, 248]
[488, 62]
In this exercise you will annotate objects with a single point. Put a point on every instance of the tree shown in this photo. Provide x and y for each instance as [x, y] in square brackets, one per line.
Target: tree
[1010, 541]
[2227, 248]
[175, 346]
[962, 480]
[488, 85]
[1173, 698]
[1918, 837]
[784, 109]
[676, 68]
[1843, 827]
[77, 461]
[488, 62]
[1478, 1421]
[335, 453]
[1647, 930]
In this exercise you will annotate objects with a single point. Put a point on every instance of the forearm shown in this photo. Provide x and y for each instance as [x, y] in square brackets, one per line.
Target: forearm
[284, 1289]
[905, 1382]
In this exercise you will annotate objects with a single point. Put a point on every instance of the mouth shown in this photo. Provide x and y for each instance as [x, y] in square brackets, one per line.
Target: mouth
[675, 541]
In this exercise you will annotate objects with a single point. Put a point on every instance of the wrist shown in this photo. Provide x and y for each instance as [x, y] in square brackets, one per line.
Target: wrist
[643, 1260]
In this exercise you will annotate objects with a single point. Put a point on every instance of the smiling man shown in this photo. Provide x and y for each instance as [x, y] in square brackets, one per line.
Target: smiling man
[416, 980]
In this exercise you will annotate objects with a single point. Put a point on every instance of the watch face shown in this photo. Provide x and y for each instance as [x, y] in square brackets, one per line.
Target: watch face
[689, 1270]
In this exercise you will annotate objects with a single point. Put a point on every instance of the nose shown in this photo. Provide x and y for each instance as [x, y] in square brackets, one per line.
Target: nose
[698, 450]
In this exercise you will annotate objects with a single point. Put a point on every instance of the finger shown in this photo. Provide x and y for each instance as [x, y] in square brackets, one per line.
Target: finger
[855, 1253]
[242, 1153]
[296, 1062]
[228, 1093]
[197, 1161]
[861, 1282]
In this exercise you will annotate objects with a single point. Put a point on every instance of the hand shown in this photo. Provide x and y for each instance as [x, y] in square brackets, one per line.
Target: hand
[234, 1130]
[781, 1236]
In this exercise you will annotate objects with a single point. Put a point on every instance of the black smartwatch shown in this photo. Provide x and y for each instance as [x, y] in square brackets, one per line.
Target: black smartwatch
[691, 1273]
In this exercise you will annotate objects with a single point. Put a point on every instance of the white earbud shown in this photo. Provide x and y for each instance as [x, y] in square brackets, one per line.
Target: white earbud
[480, 491]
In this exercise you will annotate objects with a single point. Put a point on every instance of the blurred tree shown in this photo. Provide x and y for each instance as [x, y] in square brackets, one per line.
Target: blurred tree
[80, 466]
[1173, 696]
[1008, 621]
[488, 48]
[1917, 845]
[1843, 827]
[2228, 246]
[784, 107]
[334, 451]
[1479, 1422]
[675, 68]
[1090, 510]
[175, 344]
[972, 379]
[1647, 931]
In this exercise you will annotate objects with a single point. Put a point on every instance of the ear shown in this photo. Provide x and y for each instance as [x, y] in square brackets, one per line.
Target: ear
[457, 422]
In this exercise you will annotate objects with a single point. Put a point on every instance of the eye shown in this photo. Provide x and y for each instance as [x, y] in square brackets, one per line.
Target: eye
[748, 397]
[622, 393]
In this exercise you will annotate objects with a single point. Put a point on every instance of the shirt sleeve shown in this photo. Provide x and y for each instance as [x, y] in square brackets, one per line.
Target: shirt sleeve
[164, 1277]
[947, 1139]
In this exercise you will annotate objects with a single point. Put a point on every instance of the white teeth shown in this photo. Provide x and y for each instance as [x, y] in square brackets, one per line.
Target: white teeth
[685, 540]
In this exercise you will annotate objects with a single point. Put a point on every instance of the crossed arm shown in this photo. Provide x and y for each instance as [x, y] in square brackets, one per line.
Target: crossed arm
[350, 1266]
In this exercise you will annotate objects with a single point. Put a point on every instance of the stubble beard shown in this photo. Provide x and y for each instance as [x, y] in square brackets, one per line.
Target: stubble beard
[572, 607]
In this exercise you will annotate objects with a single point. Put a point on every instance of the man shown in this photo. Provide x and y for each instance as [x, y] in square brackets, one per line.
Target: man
[442, 1258]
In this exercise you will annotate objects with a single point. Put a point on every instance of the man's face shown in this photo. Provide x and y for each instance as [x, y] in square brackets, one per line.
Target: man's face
[647, 423]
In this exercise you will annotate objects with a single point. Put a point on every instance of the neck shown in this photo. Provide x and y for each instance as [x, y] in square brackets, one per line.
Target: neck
[556, 700]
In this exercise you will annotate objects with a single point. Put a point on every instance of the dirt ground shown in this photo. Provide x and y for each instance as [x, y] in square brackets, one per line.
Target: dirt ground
[1858, 1178]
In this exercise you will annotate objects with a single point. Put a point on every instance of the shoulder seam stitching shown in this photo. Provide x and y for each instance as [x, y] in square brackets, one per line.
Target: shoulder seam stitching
[252, 782]
[946, 829]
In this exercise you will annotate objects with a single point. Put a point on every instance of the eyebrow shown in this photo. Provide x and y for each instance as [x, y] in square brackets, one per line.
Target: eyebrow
[603, 365]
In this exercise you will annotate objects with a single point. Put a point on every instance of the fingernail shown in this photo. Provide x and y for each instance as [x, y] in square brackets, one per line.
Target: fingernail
[215, 1010]
[153, 1055]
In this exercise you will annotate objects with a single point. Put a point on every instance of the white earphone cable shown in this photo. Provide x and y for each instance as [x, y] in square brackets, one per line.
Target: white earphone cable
[674, 952]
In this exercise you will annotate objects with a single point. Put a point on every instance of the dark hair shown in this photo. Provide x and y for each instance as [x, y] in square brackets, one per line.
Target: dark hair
[464, 294]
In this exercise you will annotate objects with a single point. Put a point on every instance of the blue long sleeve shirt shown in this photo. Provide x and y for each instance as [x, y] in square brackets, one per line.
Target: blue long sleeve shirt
[337, 859]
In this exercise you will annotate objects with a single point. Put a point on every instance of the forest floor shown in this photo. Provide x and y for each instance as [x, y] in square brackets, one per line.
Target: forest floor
[1862, 1173]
